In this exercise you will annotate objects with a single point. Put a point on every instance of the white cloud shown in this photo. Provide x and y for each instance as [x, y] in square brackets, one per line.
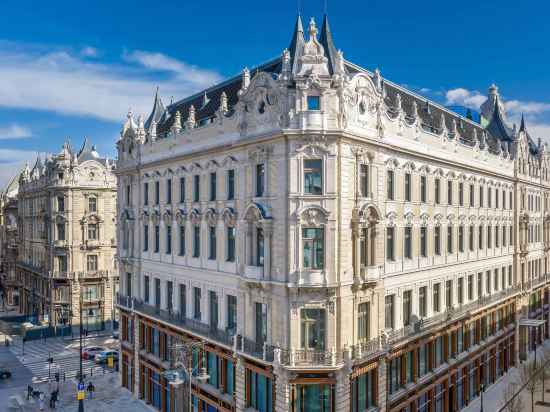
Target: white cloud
[59, 81]
[14, 131]
[12, 161]
[464, 97]
[425, 90]
[89, 51]
[528, 108]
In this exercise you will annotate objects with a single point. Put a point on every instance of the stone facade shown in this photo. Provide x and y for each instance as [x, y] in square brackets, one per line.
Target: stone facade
[67, 210]
[332, 238]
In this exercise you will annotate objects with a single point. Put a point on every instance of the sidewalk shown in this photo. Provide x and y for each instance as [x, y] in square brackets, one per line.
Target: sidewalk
[108, 397]
[493, 398]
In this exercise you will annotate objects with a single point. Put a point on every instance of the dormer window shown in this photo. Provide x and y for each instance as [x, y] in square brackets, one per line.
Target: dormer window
[313, 103]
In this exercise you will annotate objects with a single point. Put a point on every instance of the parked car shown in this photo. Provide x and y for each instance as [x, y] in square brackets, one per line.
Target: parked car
[5, 373]
[103, 356]
[115, 334]
[90, 352]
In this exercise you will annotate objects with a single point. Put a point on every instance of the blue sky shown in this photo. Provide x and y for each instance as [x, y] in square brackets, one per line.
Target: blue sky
[72, 69]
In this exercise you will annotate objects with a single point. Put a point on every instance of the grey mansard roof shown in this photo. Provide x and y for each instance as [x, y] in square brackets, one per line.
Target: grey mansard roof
[498, 135]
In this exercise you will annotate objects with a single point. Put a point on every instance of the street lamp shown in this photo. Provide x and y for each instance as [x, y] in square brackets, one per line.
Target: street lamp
[81, 377]
[482, 388]
[186, 350]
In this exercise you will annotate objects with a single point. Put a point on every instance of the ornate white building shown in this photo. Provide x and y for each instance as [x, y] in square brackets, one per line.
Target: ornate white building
[338, 242]
[67, 239]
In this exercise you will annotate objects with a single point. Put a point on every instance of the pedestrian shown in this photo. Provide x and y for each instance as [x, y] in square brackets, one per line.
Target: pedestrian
[29, 391]
[90, 389]
[41, 401]
[51, 399]
[55, 395]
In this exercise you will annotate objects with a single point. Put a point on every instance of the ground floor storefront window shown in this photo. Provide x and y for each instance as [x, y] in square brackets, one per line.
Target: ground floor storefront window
[313, 398]
[364, 391]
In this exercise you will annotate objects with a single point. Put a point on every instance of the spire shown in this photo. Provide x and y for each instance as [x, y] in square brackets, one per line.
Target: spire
[326, 40]
[497, 126]
[522, 127]
[157, 112]
[297, 42]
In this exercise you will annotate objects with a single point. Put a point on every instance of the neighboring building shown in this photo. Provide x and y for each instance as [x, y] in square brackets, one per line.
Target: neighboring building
[67, 239]
[337, 241]
[9, 286]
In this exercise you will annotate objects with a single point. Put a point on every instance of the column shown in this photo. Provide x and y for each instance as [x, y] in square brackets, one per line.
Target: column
[382, 390]
[240, 386]
[357, 250]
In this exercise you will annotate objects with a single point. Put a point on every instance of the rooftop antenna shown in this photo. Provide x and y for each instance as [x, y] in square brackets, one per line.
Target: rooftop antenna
[299, 5]
[325, 7]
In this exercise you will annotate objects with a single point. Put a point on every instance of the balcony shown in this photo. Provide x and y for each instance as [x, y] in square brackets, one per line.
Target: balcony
[61, 275]
[60, 243]
[254, 272]
[533, 283]
[299, 358]
[93, 274]
[371, 274]
[423, 326]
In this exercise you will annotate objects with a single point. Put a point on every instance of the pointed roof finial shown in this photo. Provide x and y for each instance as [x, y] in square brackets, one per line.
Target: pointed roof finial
[522, 127]
[176, 126]
[205, 100]
[245, 78]
[157, 112]
[312, 29]
[326, 40]
[224, 107]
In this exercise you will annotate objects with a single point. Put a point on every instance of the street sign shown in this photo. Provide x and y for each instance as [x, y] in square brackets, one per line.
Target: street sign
[80, 396]
[80, 386]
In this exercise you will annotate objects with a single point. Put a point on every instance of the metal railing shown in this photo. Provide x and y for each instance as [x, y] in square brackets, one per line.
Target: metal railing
[310, 357]
[423, 325]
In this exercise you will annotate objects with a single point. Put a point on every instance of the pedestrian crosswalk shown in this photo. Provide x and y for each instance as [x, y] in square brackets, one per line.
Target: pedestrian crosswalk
[34, 356]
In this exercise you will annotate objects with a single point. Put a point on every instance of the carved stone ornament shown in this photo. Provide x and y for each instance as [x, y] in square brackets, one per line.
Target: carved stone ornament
[260, 153]
[313, 217]
[167, 216]
[314, 145]
[181, 216]
[195, 217]
[229, 217]
[211, 217]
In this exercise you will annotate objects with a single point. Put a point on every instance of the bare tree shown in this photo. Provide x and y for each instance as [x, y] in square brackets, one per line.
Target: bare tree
[512, 402]
[529, 378]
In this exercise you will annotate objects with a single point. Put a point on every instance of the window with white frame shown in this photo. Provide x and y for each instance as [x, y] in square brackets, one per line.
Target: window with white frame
[92, 231]
[313, 176]
[92, 204]
[91, 263]
[313, 248]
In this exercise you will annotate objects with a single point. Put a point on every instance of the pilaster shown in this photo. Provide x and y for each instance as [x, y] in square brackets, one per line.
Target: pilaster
[240, 386]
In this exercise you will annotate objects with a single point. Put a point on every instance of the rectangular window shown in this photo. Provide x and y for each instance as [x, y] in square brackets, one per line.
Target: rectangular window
[422, 301]
[213, 309]
[128, 195]
[390, 185]
[231, 244]
[157, 238]
[407, 307]
[91, 263]
[182, 240]
[470, 287]
[196, 188]
[168, 240]
[471, 238]
[449, 293]
[260, 179]
[390, 243]
[182, 189]
[231, 313]
[259, 247]
[260, 323]
[146, 288]
[157, 292]
[145, 194]
[424, 241]
[169, 296]
[364, 180]
[145, 238]
[437, 240]
[496, 198]
[313, 103]
[461, 194]
[407, 187]
[213, 186]
[481, 193]
[488, 282]
[92, 204]
[168, 191]
[479, 285]
[363, 321]
[230, 184]
[489, 237]
[436, 297]
[157, 192]
[313, 176]
[197, 303]
[461, 239]
[92, 231]
[389, 311]
[472, 199]
[408, 242]
[60, 204]
[480, 238]
[489, 197]
[183, 301]
[212, 242]
[450, 192]
[61, 231]
[196, 241]
[129, 286]
[313, 248]
[423, 185]
[437, 190]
